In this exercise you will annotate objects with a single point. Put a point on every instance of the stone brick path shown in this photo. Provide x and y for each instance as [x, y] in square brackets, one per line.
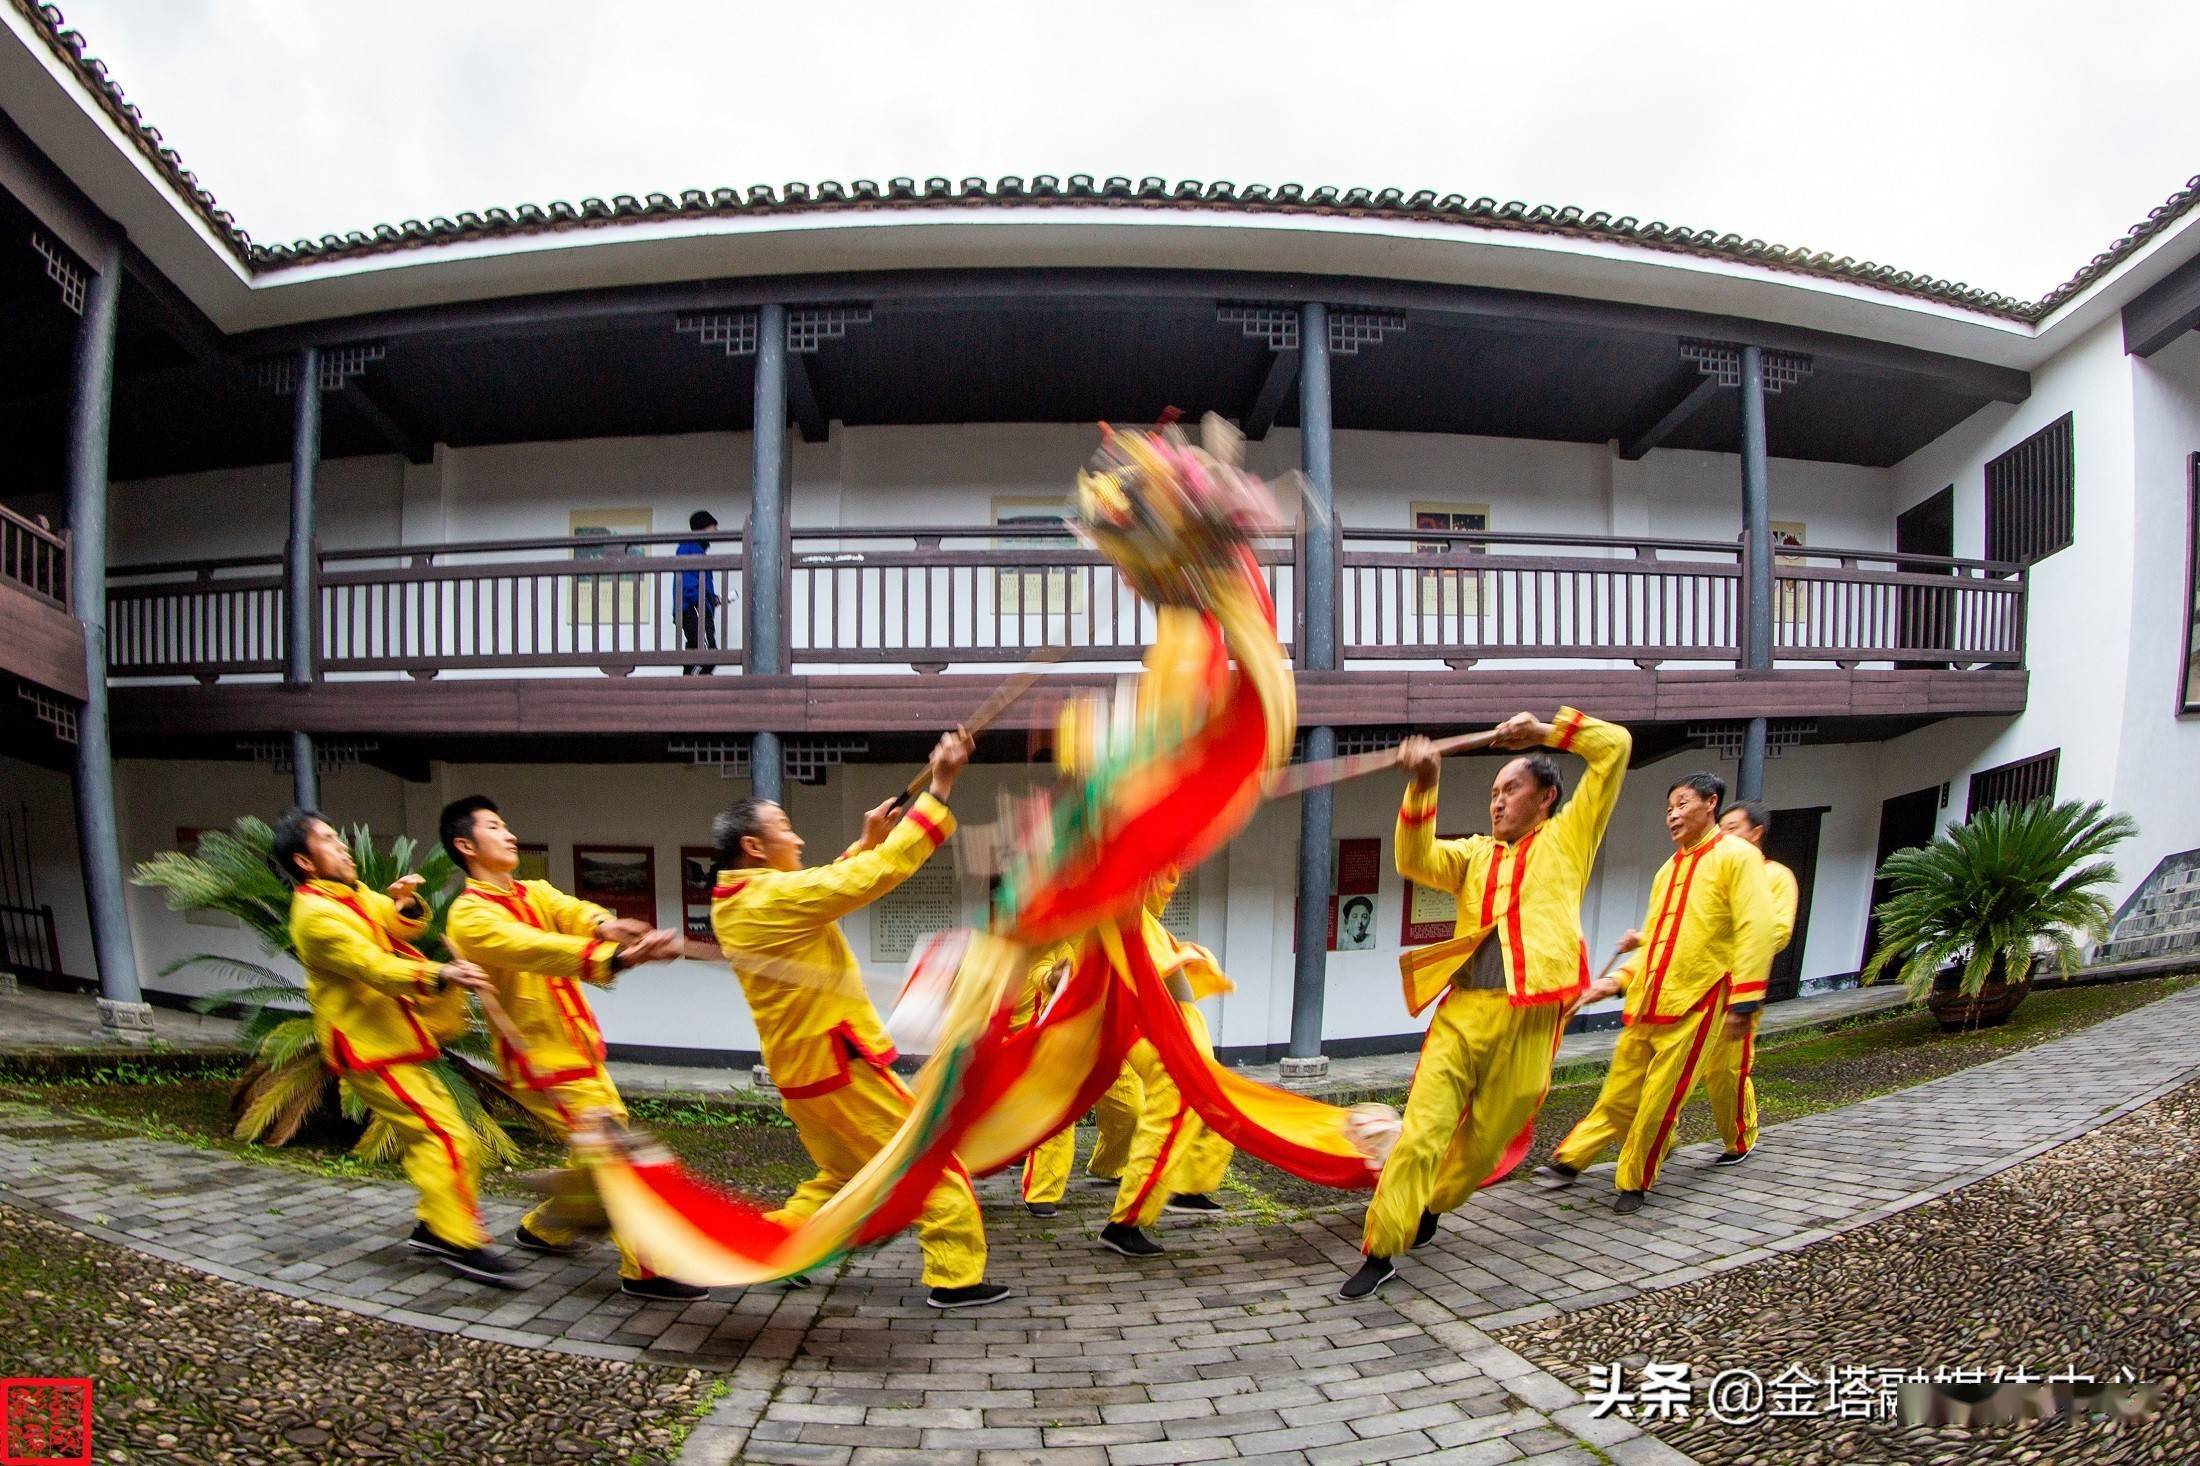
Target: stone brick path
[1231, 1346]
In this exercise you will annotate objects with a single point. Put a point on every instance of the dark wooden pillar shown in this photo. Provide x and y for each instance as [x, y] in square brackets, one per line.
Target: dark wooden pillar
[300, 574]
[1756, 561]
[763, 565]
[1317, 651]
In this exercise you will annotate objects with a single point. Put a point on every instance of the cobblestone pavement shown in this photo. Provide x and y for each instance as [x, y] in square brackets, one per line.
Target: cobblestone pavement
[1230, 1346]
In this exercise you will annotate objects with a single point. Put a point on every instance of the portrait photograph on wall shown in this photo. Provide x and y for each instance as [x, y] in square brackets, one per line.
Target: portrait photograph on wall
[698, 873]
[620, 878]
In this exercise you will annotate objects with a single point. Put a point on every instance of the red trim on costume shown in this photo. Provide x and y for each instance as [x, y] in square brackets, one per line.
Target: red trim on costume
[1415, 817]
[396, 947]
[1160, 1165]
[1518, 945]
[588, 956]
[882, 1061]
[1569, 725]
[1680, 912]
[727, 892]
[1711, 1012]
[926, 823]
[450, 1147]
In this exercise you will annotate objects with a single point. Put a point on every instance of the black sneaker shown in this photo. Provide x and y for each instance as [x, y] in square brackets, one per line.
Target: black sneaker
[528, 1240]
[1731, 1158]
[1553, 1176]
[665, 1290]
[1042, 1208]
[977, 1295]
[1628, 1203]
[1365, 1283]
[478, 1263]
[1128, 1240]
[1426, 1232]
[1197, 1204]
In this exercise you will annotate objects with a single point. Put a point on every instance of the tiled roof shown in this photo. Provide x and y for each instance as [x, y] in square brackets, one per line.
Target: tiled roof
[1077, 190]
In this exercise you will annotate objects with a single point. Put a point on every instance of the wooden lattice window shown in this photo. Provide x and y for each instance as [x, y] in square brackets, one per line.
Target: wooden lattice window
[2031, 496]
[2019, 783]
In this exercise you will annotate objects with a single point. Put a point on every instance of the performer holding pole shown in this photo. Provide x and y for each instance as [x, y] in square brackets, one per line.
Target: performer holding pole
[1734, 1047]
[382, 1012]
[1505, 978]
[1710, 922]
[537, 944]
[822, 1040]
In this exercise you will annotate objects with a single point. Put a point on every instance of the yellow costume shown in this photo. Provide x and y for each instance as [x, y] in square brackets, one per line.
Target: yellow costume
[1172, 1152]
[538, 944]
[1726, 1078]
[1485, 1066]
[827, 1051]
[1710, 917]
[381, 1014]
[1046, 1169]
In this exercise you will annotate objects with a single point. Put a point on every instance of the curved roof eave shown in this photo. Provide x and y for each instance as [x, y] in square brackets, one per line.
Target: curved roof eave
[121, 161]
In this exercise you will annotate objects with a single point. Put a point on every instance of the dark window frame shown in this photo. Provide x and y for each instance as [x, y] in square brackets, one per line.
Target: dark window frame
[2188, 614]
[1988, 791]
[2032, 512]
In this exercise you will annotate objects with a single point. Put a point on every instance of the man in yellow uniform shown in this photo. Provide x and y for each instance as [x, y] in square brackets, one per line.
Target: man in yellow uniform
[827, 1051]
[1734, 1047]
[1175, 1161]
[1505, 978]
[382, 1011]
[1710, 919]
[538, 945]
[1046, 1170]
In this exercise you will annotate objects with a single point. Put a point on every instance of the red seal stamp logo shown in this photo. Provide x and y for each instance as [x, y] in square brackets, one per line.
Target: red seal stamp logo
[45, 1422]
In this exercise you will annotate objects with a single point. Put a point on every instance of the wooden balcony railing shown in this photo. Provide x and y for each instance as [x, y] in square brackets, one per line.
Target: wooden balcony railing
[929, 598]
[34, 559]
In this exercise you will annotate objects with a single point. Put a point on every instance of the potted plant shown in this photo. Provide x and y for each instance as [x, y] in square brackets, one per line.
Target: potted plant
[1970, 914]
[286, 1086]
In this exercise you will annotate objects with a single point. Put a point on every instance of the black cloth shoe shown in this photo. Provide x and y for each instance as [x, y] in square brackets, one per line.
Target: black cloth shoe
[1553, 1176]
[1731, 1158]
[1197, 1204]
[1128, 1240]
[1042, 1208]
[1629, 1202]
[478, 1263]
[669, 1290]
[1365, 1283]
[528, 1240]
[1426, 1232]
[977, 1295]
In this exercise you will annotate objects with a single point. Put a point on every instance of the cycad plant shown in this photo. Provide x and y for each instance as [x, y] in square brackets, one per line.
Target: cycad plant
[1991, 892]
[233, 871]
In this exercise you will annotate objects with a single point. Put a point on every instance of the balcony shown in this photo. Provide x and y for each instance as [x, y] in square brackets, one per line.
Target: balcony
[577, 629]
[40, 642]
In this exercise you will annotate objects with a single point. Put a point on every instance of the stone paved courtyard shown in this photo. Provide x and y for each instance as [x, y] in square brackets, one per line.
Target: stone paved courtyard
[1231, 1346]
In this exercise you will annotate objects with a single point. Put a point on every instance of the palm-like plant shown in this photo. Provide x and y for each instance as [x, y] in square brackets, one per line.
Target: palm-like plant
[1991, 892]
[233, 871]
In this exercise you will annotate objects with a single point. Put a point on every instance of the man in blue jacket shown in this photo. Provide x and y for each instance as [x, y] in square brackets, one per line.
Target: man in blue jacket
[698, 594]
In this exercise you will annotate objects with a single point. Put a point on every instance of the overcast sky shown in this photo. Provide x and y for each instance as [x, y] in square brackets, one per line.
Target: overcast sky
[2001, 143]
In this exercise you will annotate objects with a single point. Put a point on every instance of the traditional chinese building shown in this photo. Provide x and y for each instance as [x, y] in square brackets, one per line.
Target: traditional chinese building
[374, 520]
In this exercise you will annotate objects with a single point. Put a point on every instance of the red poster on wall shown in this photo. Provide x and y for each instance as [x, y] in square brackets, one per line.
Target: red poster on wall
[1355, 876]
[1429, 914]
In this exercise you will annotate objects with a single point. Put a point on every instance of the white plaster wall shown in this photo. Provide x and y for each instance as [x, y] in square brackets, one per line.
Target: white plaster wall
[2158, 779]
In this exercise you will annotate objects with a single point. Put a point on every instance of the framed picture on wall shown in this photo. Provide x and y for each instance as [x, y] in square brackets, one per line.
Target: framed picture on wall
[1449, 593]
[620, 878]
[534, 863]
[612, 598]
[698, 874]
[1355, 875]
[1037, 590]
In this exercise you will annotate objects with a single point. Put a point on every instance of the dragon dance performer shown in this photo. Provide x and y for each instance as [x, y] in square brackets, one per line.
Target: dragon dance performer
[382, 1012]
[1734, 1048]
[822, 1040]
[1174, 1158]
[1711, 925]
[1507, 977]
[537, 944]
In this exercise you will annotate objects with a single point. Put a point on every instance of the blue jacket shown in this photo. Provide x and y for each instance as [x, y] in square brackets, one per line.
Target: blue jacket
[693, 593]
